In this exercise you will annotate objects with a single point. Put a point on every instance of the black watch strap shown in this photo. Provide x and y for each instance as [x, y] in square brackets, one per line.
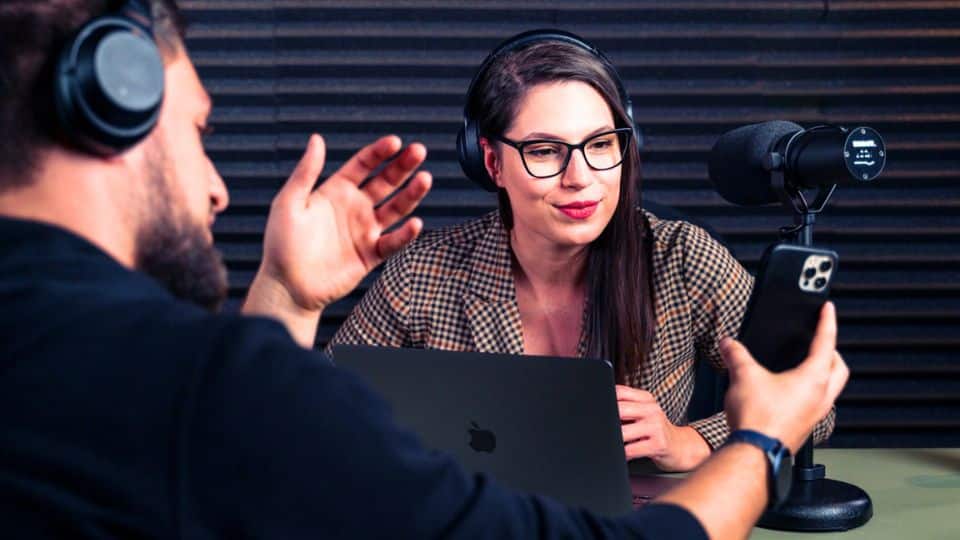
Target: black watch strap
[755, 438]
[779, 462]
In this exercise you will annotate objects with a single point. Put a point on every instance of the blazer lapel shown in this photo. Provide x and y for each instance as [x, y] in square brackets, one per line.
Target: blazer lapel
[494, 326]
[490, 300]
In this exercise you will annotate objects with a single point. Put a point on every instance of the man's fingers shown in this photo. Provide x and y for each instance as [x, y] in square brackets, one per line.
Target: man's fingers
[405, 200]
[627, 393]
[368, 158]
[824, 342]
[308, 170]
[382, 185]
[393, 242]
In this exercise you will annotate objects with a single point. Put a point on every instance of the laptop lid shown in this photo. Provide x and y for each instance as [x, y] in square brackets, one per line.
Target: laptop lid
[545, 425]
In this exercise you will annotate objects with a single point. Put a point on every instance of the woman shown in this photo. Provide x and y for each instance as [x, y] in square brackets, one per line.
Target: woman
[568, 266]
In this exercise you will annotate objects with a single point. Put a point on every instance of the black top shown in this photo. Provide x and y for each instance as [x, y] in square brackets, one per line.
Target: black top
[125, 413]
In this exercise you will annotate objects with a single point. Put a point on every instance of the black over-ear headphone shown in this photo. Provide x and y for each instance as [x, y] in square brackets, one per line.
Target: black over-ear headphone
[469, 150]
[108, 86]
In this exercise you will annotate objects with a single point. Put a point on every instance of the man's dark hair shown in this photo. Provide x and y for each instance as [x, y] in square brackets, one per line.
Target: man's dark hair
[33, 33]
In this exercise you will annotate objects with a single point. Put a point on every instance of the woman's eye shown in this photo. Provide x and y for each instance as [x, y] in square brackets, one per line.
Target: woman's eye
[602, 144]
[542, 151]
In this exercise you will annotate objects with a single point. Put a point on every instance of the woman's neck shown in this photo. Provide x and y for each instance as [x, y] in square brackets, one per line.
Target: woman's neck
[547, 266]
[549, 282]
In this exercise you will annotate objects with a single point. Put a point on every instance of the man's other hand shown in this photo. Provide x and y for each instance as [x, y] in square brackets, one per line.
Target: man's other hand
[786, 405]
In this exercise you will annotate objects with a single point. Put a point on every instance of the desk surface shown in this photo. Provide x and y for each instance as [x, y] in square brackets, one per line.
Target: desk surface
[915, 493]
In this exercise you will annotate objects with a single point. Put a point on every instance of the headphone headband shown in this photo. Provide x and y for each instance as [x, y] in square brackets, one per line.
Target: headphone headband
[543, 34]
[138, 12]
[469, 151]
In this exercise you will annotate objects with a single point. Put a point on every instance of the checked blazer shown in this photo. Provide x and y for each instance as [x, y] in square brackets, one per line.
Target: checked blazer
[453, 289]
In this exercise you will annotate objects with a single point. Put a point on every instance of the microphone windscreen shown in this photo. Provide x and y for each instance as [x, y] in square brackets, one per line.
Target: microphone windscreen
[736, 162]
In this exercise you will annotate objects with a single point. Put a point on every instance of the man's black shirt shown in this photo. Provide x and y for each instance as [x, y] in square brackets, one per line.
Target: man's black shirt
[125, 413]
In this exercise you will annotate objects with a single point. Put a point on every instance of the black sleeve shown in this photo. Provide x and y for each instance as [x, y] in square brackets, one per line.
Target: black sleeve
[278, 443]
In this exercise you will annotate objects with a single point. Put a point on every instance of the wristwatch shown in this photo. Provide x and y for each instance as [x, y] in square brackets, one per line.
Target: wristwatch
[779, 462]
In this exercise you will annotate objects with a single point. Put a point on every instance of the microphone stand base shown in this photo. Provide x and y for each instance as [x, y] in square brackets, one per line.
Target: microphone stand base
[820, 505]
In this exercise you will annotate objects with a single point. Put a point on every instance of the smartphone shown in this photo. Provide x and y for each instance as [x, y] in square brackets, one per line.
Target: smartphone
[791, 287]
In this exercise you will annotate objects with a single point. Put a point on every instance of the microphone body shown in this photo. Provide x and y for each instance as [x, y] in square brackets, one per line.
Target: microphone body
[742, 160]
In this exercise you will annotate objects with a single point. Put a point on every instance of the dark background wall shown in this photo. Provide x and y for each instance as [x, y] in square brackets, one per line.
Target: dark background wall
[354, 70]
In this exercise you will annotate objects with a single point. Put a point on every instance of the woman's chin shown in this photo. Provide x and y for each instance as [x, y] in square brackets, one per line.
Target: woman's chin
[577, 234]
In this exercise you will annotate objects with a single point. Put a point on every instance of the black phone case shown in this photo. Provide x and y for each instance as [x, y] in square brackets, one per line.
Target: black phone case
[785, 305]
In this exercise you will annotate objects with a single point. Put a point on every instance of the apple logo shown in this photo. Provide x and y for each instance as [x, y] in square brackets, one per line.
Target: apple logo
[481, 440]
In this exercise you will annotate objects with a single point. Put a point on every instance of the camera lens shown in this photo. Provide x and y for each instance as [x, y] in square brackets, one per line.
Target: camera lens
[825, 266]
[809, 273]
[820, 283]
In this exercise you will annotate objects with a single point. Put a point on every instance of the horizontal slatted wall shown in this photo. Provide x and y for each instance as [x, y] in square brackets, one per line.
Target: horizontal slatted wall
[353, 70]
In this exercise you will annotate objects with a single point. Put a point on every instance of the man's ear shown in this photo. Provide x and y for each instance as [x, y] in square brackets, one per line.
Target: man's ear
[491, 160]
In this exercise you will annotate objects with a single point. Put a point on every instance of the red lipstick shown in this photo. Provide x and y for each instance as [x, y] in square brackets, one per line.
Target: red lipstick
[579, 209]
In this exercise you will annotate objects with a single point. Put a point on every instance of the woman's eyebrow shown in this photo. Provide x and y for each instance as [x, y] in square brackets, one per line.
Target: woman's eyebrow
[544, 135]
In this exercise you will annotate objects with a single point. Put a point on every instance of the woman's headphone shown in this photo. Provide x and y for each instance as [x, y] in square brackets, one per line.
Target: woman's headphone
[108, 86]
[469, 151]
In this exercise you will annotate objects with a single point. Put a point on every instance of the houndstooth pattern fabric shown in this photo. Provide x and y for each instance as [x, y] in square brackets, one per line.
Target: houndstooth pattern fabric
[453, 289]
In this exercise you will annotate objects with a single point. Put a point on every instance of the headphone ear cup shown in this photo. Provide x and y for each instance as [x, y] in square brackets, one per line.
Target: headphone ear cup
[64, 108]
[637, 134]
[470, 154]
[108, 87]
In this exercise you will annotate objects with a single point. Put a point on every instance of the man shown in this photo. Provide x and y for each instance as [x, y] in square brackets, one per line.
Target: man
[128, 411]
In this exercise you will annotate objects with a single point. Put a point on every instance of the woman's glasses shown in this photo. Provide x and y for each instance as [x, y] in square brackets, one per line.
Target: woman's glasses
[544, 158]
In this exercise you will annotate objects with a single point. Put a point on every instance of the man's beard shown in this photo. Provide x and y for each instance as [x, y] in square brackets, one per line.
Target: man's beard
[175, 250]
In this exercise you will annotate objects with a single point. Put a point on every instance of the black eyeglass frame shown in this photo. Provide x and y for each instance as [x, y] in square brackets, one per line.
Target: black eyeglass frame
[519, 146]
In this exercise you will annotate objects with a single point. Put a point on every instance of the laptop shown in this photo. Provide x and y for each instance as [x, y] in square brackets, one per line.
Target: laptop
[545, 425]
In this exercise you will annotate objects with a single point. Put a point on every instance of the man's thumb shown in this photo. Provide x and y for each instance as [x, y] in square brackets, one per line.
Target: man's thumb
[305, 176]
[736, 357]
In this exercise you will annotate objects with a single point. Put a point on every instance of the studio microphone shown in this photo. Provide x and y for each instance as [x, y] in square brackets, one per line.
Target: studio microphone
[742, 160]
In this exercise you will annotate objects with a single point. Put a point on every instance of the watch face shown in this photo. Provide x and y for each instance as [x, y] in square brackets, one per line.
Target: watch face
[783, 474]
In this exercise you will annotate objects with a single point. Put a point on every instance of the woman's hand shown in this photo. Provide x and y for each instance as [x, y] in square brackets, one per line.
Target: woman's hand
[648, 433]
